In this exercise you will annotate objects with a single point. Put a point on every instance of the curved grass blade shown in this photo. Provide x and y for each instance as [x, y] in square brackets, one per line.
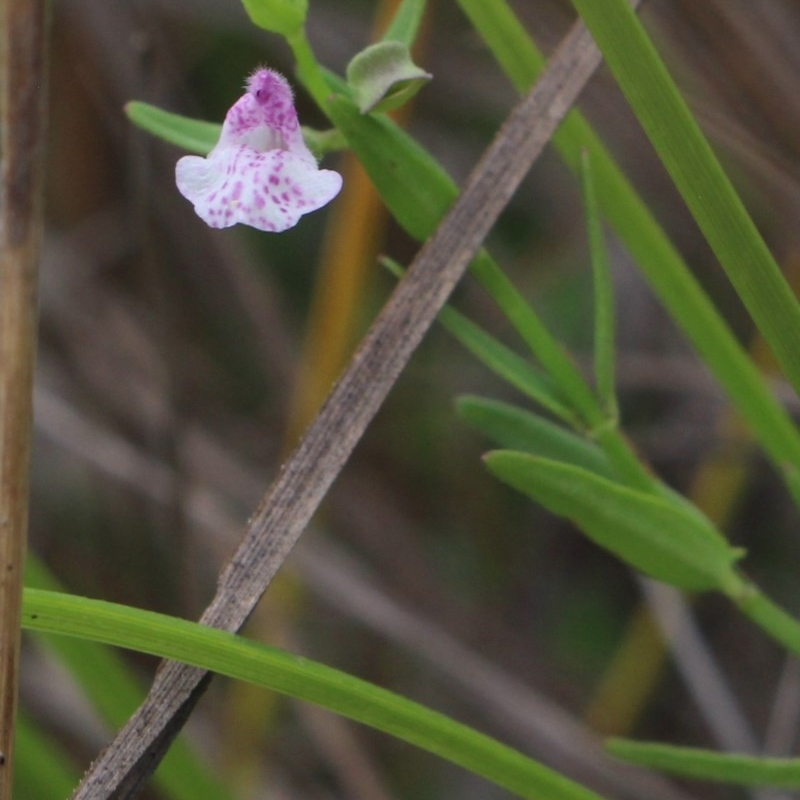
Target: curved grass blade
[698, 175]
[239, 658]
[655, 255]
[182, 775]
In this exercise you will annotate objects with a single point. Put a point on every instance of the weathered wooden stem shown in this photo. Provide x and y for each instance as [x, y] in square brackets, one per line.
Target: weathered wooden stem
[22, 122]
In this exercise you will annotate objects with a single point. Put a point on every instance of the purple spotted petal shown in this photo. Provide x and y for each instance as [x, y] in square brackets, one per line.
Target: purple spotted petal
[265, 118]
[269, 191]
[260, 173]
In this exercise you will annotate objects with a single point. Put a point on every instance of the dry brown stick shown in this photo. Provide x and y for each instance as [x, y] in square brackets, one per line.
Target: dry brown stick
[303, 482]
[22, 122]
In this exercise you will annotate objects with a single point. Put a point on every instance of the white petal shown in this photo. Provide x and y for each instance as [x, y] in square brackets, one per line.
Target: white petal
[269, 191]
[195, 176]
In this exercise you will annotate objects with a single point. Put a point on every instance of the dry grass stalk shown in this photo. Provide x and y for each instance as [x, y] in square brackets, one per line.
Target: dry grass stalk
[22, 124]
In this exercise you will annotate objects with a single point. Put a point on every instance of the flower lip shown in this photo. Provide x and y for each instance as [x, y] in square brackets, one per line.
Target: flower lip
[260, 172]
[263, 139]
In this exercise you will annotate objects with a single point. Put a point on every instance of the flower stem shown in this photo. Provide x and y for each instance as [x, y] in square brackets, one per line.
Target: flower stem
[769, 616]
[627, 464]
[309, 71]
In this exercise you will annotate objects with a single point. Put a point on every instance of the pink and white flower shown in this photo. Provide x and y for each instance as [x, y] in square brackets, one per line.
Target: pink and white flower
[260, 172]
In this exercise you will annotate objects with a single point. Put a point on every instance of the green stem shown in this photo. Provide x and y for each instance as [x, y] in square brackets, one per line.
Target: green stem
[528, 325]
[770, 617]
[309, 71]
[571, 385]
[626, 463]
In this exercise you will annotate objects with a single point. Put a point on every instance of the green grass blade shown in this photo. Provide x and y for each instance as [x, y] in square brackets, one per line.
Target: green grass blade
[541, 343]
[698, 176]
[604, 362]
[182, 775]
[655, 255]
[707, 765]
[513, 49]
[405, 23]
[506, 363]
[298, 677]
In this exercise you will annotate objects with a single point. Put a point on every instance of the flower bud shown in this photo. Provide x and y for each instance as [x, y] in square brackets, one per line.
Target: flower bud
[383, 76]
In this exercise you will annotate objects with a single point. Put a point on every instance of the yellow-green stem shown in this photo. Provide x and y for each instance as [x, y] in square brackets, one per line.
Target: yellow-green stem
[770, 617]
[308, 69]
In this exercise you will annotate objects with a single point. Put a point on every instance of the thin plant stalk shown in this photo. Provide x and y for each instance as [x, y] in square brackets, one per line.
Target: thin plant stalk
[22, 124]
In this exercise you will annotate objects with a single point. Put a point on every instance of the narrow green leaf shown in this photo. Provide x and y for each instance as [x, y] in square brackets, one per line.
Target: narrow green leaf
[659, 538]
[516, 429]
[769, 616]
[298, 677]
[508, 40]
[655, 255]
[690, 762]
[416, 189]
[534, 333]
[698, 176]
[529, 379]
[405, 23]
[604, 362]
[514, 369]
[190, 134]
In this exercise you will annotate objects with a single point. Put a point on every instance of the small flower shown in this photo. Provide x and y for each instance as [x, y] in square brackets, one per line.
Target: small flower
[260, 172]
